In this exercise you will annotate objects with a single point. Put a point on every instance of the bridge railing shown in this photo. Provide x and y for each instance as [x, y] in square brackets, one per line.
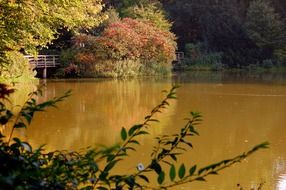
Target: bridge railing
[44, 61]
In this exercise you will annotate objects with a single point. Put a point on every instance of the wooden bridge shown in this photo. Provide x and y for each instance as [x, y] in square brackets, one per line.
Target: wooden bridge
[44, 62]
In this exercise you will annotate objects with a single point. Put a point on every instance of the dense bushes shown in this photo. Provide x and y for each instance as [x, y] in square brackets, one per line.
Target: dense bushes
[125, 48]
[198, 58]
[134, 39]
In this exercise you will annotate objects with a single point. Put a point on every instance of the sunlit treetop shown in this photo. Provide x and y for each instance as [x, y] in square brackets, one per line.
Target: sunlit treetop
[30, 24]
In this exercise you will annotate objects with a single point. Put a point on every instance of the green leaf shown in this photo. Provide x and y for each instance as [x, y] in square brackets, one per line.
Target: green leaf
[200, 179]
[214, 173]
[202, 170]
[182, 171]
[156, 167]
[192, 170]
[154, 120]
[134, 142]
[172, 173]
[110, 157]
[123, 134]
[130, 148]
[161, 178]
[27, 116]
[134, 128]
[173, 156]
[142, 133]
[189, 144]
[103, 176]
[130, 181]
[110, 165]
[144, 178]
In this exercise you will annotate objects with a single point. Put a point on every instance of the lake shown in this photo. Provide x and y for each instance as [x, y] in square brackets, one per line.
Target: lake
[239, 111]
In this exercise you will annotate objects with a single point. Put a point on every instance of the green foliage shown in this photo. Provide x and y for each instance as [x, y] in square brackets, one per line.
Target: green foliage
[230, 27]
[23, 167]
[264, 26]
[14, 67]
[122, 6]
[28, 25]
[151, 13]
[217, 24]
[197, 58]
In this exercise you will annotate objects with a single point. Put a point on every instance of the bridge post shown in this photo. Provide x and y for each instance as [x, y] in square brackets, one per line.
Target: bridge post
[45, 73]
[45, 68]
[43, 62]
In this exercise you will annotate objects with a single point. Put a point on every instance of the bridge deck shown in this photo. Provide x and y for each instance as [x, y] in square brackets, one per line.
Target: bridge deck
[44, 61]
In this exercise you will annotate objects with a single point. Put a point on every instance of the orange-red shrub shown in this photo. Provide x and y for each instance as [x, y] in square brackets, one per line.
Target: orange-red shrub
[135, 39]
[126, 47]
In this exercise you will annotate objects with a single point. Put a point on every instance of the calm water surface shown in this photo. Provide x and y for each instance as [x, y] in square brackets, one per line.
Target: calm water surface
[239, 111]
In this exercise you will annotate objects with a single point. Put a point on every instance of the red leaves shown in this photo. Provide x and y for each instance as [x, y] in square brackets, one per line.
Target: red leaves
[133, 39]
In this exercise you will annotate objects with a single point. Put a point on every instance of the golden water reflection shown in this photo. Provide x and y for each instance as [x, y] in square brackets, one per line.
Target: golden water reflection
[281, 182]
[237, 115]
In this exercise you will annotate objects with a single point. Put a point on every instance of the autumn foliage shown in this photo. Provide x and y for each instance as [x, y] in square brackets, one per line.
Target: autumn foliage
[135, 43]
[135, 39]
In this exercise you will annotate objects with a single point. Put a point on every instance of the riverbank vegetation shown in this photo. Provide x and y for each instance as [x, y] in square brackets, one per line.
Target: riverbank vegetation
[243, 33]
[23, 167]
[128, 47]
[129, 38]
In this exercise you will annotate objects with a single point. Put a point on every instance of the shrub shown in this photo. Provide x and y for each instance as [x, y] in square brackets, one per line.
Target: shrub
[198, 58]
[131, 39]
[71, 71]
[267, 64]
[151, 50]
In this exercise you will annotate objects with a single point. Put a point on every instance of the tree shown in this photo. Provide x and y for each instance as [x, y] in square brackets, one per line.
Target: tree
[265, 27]
[26, 25]
[185, 23]
[29, 25]
[122, 5]
[151, 13]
